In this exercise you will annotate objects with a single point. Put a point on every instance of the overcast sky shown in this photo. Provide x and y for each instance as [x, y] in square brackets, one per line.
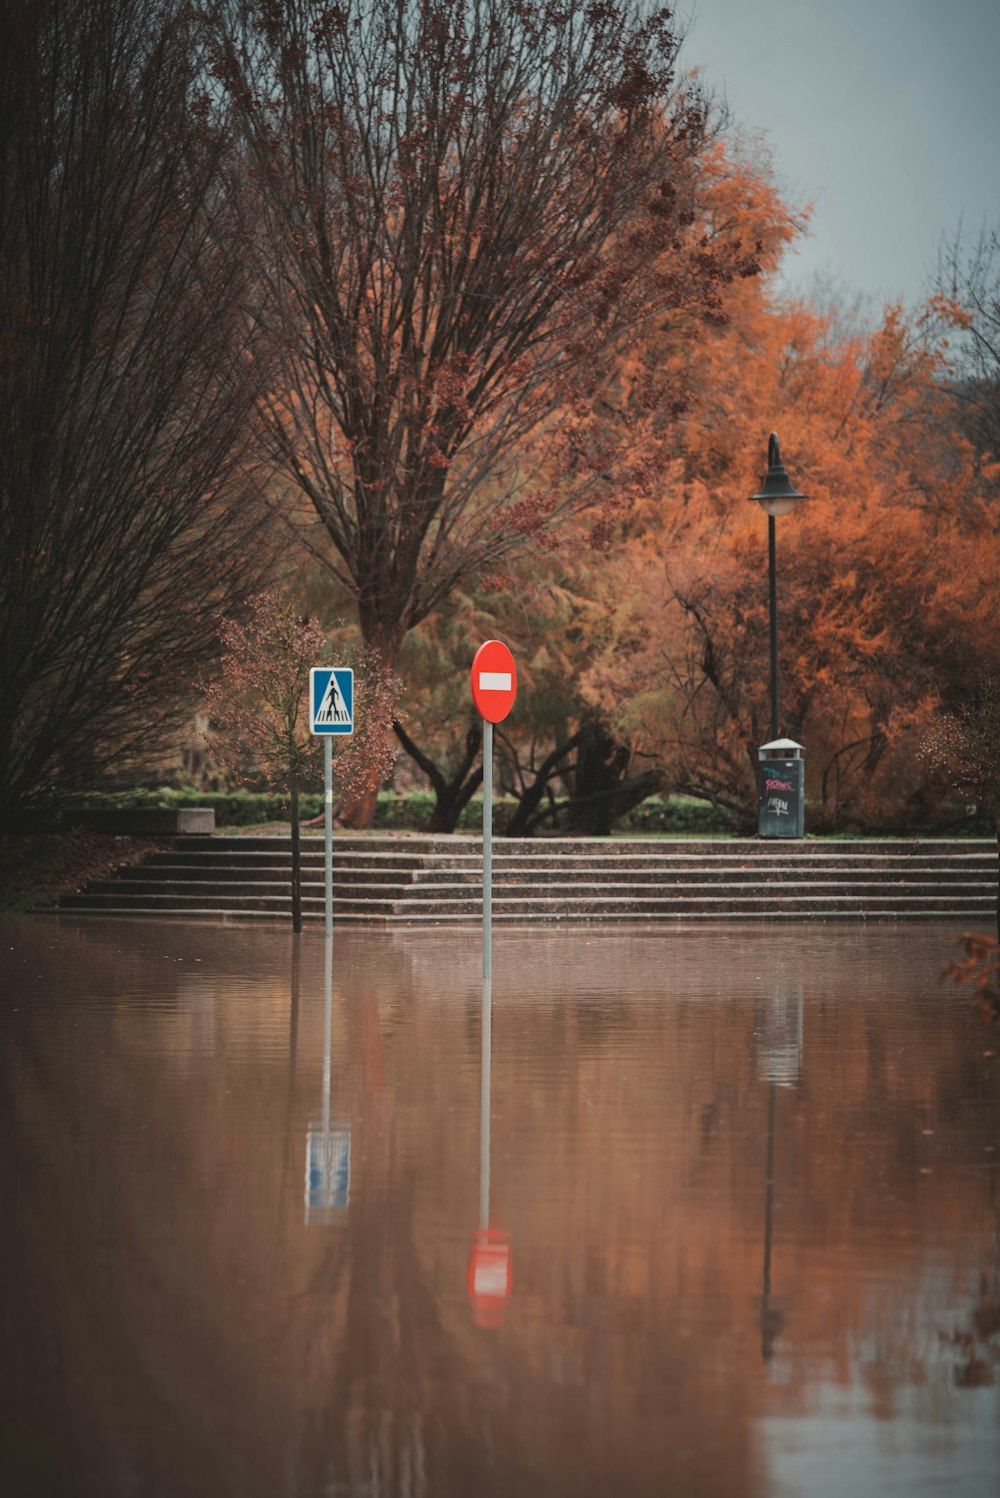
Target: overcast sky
[885, 114]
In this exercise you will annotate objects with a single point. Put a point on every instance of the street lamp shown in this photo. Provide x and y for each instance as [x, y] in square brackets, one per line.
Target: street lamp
[777, 497]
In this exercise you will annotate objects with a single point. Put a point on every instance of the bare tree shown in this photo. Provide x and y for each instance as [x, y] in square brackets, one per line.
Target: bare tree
[967, 286]
[468, 207]
[963, 747]
[126, 381]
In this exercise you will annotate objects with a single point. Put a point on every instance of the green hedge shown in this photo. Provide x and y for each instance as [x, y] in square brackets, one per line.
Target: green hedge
[675, 814]
[410, 812]
[232, 808]
[244, 808]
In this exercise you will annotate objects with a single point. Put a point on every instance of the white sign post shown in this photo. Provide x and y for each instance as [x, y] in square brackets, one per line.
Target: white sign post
[331, 710]
[494, 687]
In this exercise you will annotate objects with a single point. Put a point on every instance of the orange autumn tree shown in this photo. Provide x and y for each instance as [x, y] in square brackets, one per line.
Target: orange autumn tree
[258, 706]
[548, 603]
[888, 583]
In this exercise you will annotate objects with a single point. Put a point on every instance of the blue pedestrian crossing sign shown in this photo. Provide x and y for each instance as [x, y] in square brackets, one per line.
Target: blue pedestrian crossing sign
[331, 699]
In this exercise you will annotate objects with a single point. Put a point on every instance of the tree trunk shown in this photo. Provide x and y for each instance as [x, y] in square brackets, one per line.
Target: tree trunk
[524, 820]
[359, 811]
[382, 648]
[601, 763]
[595, 815]
[452, 801]
[296, 858]
[451, 796]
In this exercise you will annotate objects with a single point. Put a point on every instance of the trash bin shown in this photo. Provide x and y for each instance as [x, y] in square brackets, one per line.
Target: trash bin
[782, 789]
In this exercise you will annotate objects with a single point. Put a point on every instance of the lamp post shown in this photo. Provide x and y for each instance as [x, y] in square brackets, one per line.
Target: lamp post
[777, 497]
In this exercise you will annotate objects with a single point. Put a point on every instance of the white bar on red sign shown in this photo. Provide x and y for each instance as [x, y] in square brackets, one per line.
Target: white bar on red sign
[494, 681]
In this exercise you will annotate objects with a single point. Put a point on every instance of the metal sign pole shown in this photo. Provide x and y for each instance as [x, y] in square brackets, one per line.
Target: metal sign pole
[328, 828]
[327, 1036]
[487, 848]
[331, 710]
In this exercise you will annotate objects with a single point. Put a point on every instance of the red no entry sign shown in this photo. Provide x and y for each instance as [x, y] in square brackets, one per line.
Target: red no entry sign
[494, 681]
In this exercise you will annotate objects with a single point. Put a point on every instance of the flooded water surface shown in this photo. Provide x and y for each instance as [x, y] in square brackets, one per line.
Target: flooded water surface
[697, 1212]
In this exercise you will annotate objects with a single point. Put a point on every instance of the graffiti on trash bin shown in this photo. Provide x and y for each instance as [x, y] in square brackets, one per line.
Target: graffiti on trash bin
[777, 804]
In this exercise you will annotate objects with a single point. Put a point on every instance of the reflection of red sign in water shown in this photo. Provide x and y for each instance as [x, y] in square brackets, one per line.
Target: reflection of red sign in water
[489, 1276]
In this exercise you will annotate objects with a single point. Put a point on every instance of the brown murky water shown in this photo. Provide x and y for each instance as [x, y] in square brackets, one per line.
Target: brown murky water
[733, 1227]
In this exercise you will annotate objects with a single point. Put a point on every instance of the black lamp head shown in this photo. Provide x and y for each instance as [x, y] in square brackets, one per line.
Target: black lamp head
[777, 496]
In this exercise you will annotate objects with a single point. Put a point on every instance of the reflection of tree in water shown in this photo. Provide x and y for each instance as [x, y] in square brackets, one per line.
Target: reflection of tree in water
[378, 1338]
[365, 1427]
[597, 1022]
[976, 1344]
[772, 1318]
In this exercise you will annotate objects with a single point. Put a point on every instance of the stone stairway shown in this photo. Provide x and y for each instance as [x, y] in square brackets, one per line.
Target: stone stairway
[434, 880]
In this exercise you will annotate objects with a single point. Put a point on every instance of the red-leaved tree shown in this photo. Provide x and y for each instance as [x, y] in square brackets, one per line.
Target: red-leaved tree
[259, 710]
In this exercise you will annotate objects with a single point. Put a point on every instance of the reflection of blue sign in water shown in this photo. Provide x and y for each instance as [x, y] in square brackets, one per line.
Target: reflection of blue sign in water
[331, 699]
[328, 1173]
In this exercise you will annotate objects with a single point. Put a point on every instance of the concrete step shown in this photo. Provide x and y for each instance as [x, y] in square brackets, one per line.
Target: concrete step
[439, 880]
[727, 900]
[433, 917]
[695, 888]
[649, 872]
[446, 886]
[782, 862]
[228, 874]
[680, 916]
[422, 846]
[276, 858]
[596, 905]
[208, 892]
[405, 846]
[698, 874]
[275, 904]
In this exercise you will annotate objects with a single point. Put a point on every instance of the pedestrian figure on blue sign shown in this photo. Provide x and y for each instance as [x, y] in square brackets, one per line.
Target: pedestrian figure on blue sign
[333, 709]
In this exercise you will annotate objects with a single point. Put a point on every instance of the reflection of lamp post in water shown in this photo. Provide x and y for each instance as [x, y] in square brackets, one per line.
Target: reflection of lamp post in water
[772, 1320]
[328, 1151]
[489, 1262]
[779, 1058]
